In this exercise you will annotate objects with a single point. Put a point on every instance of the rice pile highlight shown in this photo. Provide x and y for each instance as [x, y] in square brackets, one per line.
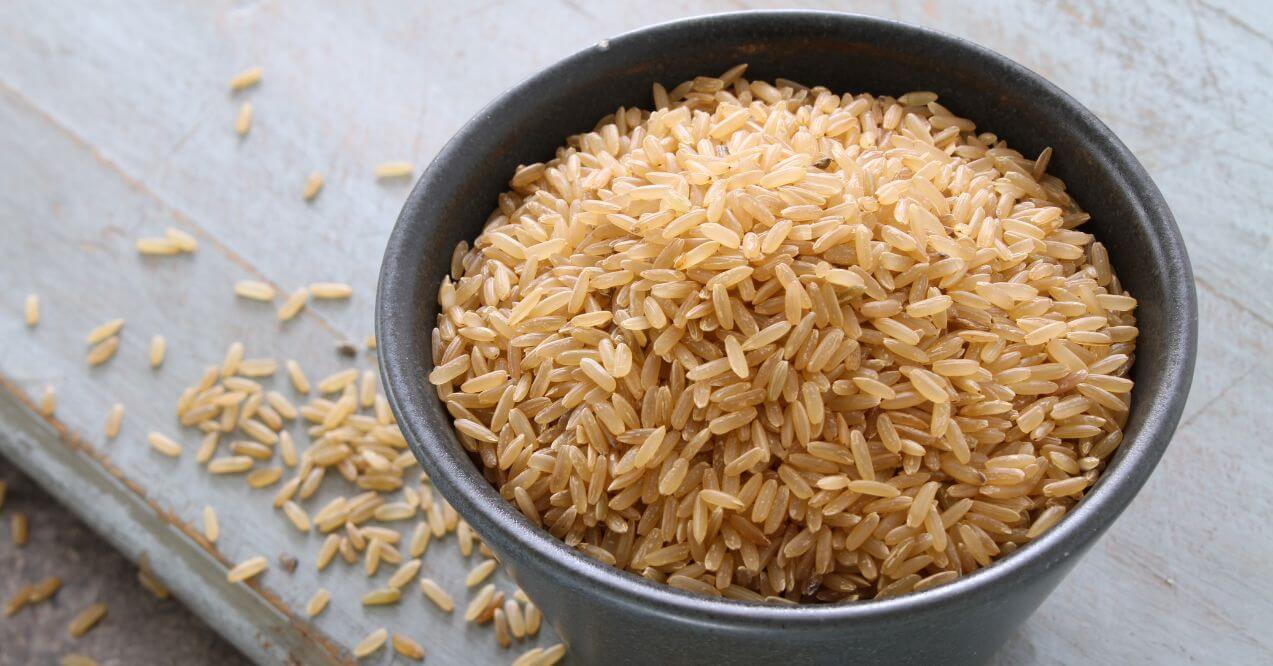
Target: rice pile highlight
[770, 342]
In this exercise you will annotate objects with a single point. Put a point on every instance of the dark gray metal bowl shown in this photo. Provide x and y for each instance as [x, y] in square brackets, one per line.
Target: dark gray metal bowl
[607, 615]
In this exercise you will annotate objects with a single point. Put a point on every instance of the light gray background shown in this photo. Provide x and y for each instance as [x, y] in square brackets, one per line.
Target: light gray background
[116, 122]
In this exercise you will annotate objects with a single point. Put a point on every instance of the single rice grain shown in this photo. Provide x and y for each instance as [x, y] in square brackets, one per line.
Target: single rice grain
[104, 331]
[408, 648]
[158, 349]
[45, 589]
[243, 119]
[388, 170]
[211, 526]
[158, 246]
[294, 304]
[164, 444]
[313, 185]
[86, 620]
[437, 595]
[48, 401]
[247, 569]
[31, 310]
[19, 529]
[254, 290]
[102, 351]
[245, 79]
[297, 377]
[184, 241]
[373, 641]
[114, 419]
[317, 603]
[330, 290]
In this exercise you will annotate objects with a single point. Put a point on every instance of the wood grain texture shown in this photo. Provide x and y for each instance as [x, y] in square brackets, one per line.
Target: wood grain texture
[90, 572]
[119, 123]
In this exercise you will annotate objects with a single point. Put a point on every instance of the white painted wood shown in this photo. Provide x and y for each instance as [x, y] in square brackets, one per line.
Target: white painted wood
[117, 122]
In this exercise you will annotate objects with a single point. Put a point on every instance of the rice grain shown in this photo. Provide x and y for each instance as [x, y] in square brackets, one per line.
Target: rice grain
[330, 290]
[408, 648]
[313, 185]
[254, 290]
[437, 595]
[389, 170]
[31, 310]
[245, 79]
[48, 402]
[102, 351]
[294, 304]
[317, 603]
[243, 119]
[374, 641]
[211, 526]
[164, 444]
[86, 620]
[158, 349]
[104, 331]
[246, 569]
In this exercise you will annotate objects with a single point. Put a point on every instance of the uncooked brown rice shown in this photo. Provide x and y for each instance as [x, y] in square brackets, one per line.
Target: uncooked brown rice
[19, 529]
[374, 641]
[164, 444]
[479, 573]
[254, 290]
[407, 647]
[318, 602]
[18, 601]
[394, 170]
[330, 290]
[102, 351]
[48, 401]
[211, 526]
[247, 569]
[769, 342]
[158, 246]
[31, 310]
[158, 349]
[243, 119]
[437, 595]
[147, 579]
[86, 620]
[45, 589]
[352, 435]
[313, 185]
[294, 304]
[245, 79]
[182, 240]
[103, 331]
[114, 419]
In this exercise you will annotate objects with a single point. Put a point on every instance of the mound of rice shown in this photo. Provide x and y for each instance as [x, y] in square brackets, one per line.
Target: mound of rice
[768, 342]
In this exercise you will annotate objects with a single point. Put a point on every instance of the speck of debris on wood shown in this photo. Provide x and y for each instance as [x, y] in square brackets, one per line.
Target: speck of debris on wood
[288, 562]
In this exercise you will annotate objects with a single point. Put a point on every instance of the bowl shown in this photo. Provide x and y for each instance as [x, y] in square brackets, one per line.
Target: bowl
[605, 614]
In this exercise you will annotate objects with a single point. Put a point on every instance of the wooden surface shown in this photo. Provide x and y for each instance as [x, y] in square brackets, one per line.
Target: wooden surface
[90, 570]
[118, 123]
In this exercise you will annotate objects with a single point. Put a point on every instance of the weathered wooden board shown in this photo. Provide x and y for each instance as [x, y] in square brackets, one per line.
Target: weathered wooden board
[117, 123]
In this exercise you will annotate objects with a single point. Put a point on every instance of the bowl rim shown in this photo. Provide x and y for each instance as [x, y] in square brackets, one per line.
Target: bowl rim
[481, 505]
